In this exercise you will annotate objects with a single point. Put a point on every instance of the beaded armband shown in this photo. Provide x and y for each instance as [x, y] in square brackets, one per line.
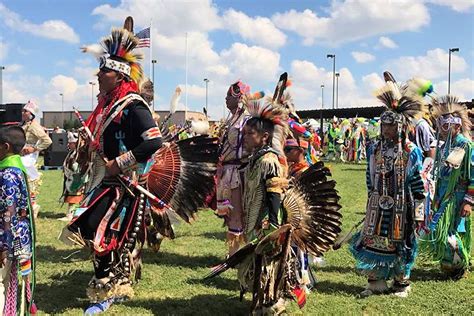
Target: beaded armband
[151, 133]
[126, 161]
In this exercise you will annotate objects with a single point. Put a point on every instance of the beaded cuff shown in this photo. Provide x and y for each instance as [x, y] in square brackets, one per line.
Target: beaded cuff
[126, 161]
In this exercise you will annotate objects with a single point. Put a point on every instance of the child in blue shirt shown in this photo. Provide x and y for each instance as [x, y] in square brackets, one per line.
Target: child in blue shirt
[16, 227]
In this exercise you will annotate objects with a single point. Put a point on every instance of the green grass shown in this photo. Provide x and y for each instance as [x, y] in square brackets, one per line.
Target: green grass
[172, 279]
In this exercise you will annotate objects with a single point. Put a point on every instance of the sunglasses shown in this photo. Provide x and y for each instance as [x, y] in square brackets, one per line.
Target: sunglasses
[288, 149]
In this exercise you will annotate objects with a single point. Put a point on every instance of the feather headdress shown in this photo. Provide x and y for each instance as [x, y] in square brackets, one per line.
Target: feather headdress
[403, 105]
[448, 107]
[116, 52]
[275, 113]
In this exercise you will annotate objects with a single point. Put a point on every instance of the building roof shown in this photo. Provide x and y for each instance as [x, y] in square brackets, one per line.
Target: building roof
[367, 112]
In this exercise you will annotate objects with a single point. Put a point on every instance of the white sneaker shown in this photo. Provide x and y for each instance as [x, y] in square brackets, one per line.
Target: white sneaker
[402, 291]
[319, 262]
[374, 287]
[66, 218]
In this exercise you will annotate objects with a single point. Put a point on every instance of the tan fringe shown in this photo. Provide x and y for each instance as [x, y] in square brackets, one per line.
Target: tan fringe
[119, 290]
[277, 184]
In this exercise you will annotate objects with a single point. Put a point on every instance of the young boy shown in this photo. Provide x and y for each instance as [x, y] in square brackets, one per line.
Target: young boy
[264, 182]
[294, 152]
[267, 265]
[16, 226]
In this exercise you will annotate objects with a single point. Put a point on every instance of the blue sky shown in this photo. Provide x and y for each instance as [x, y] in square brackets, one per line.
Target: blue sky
[249, 40]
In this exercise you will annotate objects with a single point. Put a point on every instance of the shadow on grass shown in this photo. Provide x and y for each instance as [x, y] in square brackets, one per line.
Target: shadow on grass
[354, 169]
[178, 260]
[196, 305]
[64, 291]
[215, 235]
[428, 274]
[334, 269]
[53, 255]
[217, 282]
[328, 287]
[51, 215]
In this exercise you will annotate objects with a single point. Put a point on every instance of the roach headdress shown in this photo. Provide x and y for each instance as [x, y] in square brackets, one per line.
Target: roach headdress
[447, 109]
[403, 105]
[117, 52]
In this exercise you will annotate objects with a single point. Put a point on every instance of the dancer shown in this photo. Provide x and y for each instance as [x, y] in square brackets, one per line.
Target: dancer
[295, 154]
[267, 265]
[17, 242]
[386, 247]
[333, 134]
[36, 141]
[450, 218]
[117, 160]
[72, 198]
[124, 135]
[233, 154]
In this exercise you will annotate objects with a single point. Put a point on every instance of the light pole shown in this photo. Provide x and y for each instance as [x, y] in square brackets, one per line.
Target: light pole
[92, 94]
[1, 83]
[321, 115]
[333, 56]
[207, 82]
[322, 96]
[337, 90]
[62, 110]
[451, 50]
[153, 62]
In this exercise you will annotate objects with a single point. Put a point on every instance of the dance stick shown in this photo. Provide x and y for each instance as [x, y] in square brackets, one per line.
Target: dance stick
[121, 177]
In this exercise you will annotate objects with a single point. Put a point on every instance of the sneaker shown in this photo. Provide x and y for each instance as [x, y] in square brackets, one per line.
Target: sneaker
[66, 218]
[374, 287]
[36, 209]
[401, 291]
[279, 308]
[98, 308]
[319, 262]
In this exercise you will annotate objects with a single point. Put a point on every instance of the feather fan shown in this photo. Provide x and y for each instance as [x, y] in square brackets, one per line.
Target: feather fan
[183, 174]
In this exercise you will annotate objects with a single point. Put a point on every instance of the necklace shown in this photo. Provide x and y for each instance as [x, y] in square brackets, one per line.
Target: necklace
[386, 202]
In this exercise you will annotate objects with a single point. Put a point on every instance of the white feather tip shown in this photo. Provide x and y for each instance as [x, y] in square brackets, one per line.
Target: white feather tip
[200, 127]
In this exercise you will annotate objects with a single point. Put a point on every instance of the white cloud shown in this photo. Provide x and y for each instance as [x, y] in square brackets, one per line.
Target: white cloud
[433, 65]
[12, 94]
[171, 50]
[63, 84]
[170, 18]
[352, 20]
[251, 62]
[195, 91]
[456, 5]
[372, 82]
[306, 89]
[13, 68]
[387, 42]
[3, 49]
[258, 30]
[362, 57]
[463, 88]
[53, 29]
[85, 73]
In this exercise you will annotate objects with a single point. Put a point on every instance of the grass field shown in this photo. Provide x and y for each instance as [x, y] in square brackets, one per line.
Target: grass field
[172, 279]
